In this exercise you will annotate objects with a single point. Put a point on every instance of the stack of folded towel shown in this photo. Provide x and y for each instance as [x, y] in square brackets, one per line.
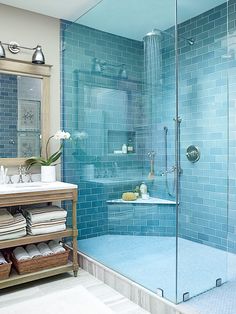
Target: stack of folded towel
[11, 226]
[41, 220]
[39, 250]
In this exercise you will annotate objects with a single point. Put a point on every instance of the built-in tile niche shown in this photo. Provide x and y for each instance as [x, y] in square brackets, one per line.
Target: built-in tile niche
[116, 139]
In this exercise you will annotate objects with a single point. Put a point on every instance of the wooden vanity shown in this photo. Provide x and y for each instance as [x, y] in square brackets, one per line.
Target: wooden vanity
[27, 194]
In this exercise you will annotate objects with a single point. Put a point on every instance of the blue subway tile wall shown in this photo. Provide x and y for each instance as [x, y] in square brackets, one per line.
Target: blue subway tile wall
[148, 220]
[206, 102]
[102, 111]
[203, 108]
[8, 114]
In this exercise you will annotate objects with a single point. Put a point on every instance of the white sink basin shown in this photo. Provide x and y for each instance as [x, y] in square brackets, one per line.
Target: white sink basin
[27, 185]
[34, 186]
[20, 186]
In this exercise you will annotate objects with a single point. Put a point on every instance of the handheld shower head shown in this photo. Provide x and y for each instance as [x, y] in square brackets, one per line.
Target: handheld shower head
[151, 154]
[190, 41]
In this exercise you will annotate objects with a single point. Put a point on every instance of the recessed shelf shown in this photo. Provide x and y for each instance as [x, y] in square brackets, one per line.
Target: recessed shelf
[116, 138]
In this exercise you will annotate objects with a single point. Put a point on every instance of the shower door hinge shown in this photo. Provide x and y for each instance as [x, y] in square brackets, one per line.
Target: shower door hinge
[160, 292]
[218, 282]
[186, 296]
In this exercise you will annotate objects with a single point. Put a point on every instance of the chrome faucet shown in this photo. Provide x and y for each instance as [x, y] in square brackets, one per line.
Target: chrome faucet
[30, 177]
[21, 172]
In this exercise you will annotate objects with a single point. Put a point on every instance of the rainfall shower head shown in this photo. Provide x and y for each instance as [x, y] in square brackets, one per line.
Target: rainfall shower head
[157, 32]
[154, 32]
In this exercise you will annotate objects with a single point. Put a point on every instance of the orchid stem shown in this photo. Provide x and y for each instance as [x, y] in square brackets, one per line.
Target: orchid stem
[47, 145]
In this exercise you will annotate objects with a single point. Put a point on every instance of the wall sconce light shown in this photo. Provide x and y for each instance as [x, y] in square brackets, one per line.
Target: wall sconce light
[13, 47]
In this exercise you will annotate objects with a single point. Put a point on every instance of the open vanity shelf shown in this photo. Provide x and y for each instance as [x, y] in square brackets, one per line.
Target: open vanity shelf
[42, 193]
[34, 239]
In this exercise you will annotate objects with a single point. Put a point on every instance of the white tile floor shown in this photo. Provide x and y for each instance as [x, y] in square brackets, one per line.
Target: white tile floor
[112, 299]
[217, 301]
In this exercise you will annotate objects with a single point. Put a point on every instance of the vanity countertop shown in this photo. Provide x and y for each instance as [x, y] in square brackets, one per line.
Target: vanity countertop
[35, 187]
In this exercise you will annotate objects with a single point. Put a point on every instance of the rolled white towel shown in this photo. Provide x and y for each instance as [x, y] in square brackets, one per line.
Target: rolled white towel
[32, 250]
[2, 259]
[56, 247]
[44, 249]
[21, 254]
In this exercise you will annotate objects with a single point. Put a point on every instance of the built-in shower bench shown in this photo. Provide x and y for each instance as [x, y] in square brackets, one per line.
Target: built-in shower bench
[151, 201]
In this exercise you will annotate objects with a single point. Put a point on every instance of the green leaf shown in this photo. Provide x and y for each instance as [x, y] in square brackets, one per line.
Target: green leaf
[34, 161]
[54, 158]
[53, 155]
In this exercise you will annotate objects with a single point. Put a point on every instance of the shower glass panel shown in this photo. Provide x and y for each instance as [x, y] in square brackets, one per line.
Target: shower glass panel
[232, 131]
[119, 105]
[203, 184]
[138, 95]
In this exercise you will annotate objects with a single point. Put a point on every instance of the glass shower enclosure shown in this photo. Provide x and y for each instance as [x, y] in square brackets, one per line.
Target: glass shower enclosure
[147, 101]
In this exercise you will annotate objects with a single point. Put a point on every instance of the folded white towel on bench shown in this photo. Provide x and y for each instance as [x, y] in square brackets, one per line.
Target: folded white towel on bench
[43, 214]
[5, 217]
[14, 235]
[44, 230]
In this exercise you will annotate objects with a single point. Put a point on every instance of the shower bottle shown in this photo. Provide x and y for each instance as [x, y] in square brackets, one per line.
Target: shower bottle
[143, 189]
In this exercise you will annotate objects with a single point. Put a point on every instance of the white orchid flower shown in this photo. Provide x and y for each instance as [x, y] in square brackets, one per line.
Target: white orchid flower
[61, 135]
[49, 160]
[67, 135]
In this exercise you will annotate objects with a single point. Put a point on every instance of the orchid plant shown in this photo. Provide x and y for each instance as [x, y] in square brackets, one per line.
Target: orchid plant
[49, 160]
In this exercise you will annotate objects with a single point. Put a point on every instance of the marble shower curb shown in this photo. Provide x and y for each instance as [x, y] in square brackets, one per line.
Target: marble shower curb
[131, 290]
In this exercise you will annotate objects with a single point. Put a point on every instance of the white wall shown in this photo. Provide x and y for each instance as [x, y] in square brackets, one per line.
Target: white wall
[29, 29]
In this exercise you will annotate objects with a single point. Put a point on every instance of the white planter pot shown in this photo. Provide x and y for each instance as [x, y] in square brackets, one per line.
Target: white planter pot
[48, 173]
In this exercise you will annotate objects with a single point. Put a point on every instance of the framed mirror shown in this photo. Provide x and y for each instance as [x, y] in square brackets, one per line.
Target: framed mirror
[24, 110]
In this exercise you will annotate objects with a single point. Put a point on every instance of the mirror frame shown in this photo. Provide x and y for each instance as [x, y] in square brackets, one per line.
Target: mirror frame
[42, 71]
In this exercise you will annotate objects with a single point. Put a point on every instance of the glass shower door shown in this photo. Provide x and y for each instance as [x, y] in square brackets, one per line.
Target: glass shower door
[119, 90]
[203, 129]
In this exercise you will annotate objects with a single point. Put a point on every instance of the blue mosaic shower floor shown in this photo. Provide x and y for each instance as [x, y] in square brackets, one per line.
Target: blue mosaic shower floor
[150, 261]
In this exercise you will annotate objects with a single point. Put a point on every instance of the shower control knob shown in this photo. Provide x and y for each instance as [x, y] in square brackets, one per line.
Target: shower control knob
[193, 153]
